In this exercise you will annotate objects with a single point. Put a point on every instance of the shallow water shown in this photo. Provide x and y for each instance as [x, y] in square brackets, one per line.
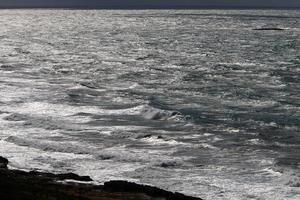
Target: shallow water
[191, 101]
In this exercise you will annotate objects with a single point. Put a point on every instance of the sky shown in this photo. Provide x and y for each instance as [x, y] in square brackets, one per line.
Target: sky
[149, 3]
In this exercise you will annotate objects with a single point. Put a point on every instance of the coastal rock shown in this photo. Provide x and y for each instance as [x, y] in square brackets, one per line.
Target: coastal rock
[67, 176]
[125, 186]
[3, 163]
[21, 185]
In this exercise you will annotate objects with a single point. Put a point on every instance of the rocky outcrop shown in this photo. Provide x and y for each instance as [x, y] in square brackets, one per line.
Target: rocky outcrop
[3, 163]
[68, 176]
[20, 185]
[125, 186]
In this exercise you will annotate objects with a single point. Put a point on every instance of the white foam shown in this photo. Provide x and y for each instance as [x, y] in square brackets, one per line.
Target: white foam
[152, 113]
[242, 64]
[207, 134]
[206, 146]
[158, 141]
[232, 130]
[53, 146]
[272, 172]
[121, 153]
[27, 158]
[62, 110]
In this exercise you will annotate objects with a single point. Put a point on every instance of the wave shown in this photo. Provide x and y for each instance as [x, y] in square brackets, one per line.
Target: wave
[116, 153]
[28, 158]
[152, 113]
[61, 110]
[50, 146]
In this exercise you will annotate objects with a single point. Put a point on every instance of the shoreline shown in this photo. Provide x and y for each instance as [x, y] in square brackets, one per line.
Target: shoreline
[21, 185]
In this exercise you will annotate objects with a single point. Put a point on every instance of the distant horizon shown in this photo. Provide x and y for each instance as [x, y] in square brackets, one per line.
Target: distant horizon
[150, 8]
[151, 4]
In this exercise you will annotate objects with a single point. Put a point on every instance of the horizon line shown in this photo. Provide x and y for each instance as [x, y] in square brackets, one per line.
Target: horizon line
[151, 7]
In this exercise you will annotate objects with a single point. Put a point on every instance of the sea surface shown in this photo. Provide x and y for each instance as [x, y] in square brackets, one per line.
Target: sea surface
[193, 101]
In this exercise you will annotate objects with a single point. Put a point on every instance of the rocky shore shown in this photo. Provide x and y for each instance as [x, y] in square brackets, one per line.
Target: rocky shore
[20, 185]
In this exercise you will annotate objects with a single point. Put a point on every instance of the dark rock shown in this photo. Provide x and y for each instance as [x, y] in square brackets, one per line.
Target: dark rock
[74, 177]
[174, 113]
[20, 185]
[125, 186]
[3, 163]
[144, 136]
[269, 29]
[149, 136]
[70, 176]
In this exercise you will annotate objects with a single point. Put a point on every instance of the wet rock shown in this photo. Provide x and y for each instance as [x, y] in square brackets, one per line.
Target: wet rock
[147, 136]
[144, 136]
[3, 163]
[20, 185]
[125, 186]
[174, 113]
[67, 176]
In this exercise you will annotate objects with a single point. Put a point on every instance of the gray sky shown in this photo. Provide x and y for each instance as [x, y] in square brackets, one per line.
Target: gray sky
[149, 3]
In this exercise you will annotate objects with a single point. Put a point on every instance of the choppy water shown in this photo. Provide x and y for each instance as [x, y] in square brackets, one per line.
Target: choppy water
[191, 101]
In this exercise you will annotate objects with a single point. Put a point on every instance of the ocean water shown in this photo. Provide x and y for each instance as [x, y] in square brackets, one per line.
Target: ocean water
[191, 101]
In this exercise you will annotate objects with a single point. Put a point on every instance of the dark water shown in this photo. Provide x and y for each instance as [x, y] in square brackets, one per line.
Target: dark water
[191, 101]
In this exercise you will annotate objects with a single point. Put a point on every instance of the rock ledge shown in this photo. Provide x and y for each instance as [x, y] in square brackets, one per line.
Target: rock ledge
[20, 185]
